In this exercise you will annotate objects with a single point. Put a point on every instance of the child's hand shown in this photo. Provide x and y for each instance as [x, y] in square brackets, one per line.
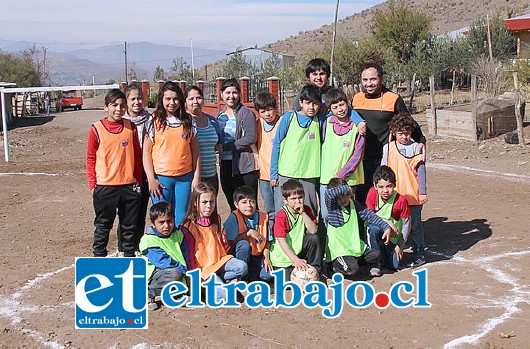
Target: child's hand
[386, 236]
[274, 182]
[393, 227]
[219, 148]
[423, 199]
[155, 188]
[399, 253]
[299, 208]
[194, 182]
[300, 264]
[362, 128]
[267, 265]
[252, 233]
[92, 191]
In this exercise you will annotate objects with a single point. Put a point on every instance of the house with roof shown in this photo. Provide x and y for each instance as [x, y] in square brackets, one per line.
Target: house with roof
[520, 28]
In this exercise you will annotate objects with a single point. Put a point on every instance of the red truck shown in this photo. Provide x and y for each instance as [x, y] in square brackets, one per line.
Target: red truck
[69, 99]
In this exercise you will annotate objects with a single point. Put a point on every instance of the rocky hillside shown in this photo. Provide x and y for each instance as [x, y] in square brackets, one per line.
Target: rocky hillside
[448, 15]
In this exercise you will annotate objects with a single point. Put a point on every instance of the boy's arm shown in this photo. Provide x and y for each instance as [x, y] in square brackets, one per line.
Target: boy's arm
[422, 178]
[92, 147]
[370, 217]
[309, 220]
[331, 195]
[266, 257]
[355, 159]
[196, 159]
[403, 209]
[358, 120]
[160, 259]
[283, 127]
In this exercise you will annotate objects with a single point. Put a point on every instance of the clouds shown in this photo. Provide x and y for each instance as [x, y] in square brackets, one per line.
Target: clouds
[212, 24]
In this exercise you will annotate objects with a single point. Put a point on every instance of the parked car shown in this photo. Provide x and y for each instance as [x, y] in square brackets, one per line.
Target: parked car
[69, 99]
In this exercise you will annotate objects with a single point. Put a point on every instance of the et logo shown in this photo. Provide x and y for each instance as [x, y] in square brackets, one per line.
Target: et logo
[110, 293]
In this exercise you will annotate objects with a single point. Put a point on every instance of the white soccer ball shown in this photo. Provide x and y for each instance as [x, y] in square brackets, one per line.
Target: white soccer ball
[302, 277]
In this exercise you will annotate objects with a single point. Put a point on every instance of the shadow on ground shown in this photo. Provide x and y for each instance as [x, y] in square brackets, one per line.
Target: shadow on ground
[444, 239]
[28, 121]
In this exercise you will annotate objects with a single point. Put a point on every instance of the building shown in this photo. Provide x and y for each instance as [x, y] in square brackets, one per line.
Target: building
[257, 57]
[520, 28]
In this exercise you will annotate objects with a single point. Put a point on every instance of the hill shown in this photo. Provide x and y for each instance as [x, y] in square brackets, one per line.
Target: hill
[447, 15]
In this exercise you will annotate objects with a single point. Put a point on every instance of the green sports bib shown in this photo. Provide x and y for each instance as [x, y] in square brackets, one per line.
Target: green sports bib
[294, 239]
[171, 245]
[384, 210]
[345, 240]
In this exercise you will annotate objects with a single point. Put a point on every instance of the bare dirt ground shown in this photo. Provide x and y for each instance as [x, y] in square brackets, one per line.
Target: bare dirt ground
[478, 250]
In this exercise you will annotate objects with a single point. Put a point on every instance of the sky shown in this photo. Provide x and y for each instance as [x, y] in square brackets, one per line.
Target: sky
[224, 25]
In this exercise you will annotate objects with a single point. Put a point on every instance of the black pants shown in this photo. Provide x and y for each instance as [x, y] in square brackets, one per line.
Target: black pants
[369, 165]
[230, 182]
[311, 252]
[142, 213]
[160, 278]
[349, 265]
[107, 199]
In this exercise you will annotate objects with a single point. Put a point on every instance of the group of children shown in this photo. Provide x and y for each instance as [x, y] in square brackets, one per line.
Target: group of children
[309, 161]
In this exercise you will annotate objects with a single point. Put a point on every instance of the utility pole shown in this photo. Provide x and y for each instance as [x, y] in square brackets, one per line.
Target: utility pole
[44, 67]
[333, 43]
[126, 79]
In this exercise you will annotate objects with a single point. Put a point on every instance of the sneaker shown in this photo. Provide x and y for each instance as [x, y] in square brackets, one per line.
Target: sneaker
[154, 304]
[375, 272]
[417, 262]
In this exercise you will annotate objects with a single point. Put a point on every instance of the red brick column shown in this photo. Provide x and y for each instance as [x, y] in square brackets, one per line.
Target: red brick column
[220, 80]
[274, 87]
[243, 82]
[145, 92]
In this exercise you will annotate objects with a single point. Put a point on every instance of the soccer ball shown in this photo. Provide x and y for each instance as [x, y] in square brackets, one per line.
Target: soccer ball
[302, 277]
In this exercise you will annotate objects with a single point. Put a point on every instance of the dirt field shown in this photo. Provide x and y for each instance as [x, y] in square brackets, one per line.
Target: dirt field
[478, 252]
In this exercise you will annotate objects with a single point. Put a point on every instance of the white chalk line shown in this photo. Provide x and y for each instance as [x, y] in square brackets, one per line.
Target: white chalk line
[12, 308]
[2, 174]
[480, 172]
[510, 304]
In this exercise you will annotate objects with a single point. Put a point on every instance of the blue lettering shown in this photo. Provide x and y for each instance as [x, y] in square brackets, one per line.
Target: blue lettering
[195, 287]
[337, 296]
[281, 286]
[394, 294]
[315, 295]
[214, 292]
[422, 289]
[259, 295]
[231, 297]
[368, 294]
[170, 292]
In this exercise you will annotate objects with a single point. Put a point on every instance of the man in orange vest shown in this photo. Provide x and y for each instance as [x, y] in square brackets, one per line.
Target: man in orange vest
[377, 106]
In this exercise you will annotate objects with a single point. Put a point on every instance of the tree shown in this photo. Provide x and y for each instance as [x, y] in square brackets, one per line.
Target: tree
[236, 66]
[181, 70]
[502, 42]
[18, 70]
[160, 74]
[400, 28]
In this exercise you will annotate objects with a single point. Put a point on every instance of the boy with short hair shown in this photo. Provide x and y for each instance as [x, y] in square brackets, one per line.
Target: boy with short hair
[342, 147]
[388, 204]
[296, 147]
[317, 72]
[296, 243]
[265, 105]
[405, 157]
[247, 231]
[165, 249]
[345, 249]
[114, 173]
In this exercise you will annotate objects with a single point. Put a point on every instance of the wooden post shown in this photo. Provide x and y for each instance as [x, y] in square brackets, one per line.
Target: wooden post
[489, 38]
[518, 115]
[452, 101]
[412, 89]
[433, 107]
[474, 104]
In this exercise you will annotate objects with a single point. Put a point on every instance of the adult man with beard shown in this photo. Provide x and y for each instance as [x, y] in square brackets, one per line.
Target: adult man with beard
[377, 106]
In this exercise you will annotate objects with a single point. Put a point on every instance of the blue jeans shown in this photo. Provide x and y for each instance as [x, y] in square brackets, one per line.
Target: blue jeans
[416, 231]
[256, 272]
[268, 193]
[374, 236]
[176, 191]
[233, 269]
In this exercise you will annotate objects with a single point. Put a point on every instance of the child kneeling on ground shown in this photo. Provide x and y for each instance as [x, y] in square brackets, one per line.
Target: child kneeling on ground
[295, 243]
[247, 231]
[166, 251]
[344, 248]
